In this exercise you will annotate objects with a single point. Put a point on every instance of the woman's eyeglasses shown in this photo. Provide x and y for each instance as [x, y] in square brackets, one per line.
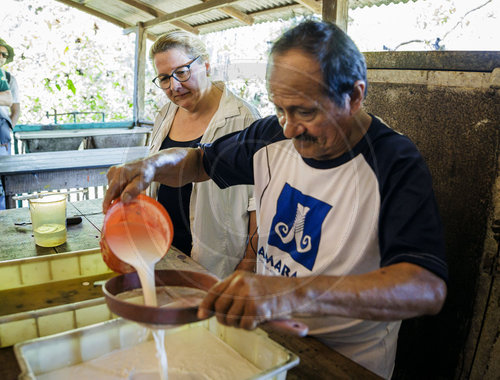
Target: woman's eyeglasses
[181, 74]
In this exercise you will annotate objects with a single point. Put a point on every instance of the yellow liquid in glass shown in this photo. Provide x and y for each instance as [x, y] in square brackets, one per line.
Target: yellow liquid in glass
[50, 235]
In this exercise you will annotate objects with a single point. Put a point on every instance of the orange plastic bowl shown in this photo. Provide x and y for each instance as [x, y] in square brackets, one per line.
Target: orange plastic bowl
[143, 210]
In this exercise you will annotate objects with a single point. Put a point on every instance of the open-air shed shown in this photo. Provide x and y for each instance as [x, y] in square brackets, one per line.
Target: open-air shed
[448, 103]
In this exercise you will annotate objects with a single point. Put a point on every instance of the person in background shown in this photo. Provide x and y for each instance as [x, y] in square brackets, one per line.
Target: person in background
[9, 111]
[9, 106]
[350, 238]
[210, 224]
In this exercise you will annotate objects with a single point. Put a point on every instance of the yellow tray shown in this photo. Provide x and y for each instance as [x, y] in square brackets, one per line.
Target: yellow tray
[23, 278]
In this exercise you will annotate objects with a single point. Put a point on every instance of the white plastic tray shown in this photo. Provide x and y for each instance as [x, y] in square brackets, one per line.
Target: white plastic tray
[42, 355]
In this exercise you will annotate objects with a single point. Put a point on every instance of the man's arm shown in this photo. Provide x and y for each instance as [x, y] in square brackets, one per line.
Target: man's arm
[5, 98]
[391, 293]
[15, 112]
[173, 167]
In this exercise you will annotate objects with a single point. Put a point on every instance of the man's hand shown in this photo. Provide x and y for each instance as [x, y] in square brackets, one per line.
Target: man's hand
[245, 300]
[127, 181]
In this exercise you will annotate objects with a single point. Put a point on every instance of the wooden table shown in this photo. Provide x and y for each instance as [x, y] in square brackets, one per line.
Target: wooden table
[26, 173]
[18, 241]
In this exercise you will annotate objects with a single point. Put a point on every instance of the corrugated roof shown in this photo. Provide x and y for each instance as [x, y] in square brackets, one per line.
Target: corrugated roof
[202, 16]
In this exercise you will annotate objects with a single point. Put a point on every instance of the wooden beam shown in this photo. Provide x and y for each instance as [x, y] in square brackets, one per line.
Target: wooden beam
[336, 11]
[144, 7]
[289, 7]
[190, 11]
[313, 5]
[237, 14]
[155, 12]
[185, 26]
[139, 73]
[93, 12]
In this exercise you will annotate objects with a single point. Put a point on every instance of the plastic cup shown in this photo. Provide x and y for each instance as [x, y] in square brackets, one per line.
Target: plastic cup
[48, 218]
[143, 215]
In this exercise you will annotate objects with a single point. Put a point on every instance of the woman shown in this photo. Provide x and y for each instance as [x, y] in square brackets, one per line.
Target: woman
[211, 224]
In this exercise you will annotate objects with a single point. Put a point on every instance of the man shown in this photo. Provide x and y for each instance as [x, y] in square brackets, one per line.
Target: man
[349, 233]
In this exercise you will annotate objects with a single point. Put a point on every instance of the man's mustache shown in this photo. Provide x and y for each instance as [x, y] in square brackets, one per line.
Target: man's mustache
[306, 138]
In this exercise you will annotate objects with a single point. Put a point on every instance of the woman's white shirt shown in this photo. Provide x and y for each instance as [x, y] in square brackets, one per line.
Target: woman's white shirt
[218, 217]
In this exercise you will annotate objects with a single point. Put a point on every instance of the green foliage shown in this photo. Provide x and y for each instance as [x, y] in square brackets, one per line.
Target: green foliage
[85, 66]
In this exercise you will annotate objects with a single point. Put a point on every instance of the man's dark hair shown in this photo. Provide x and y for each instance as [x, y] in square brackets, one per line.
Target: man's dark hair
[342, 64]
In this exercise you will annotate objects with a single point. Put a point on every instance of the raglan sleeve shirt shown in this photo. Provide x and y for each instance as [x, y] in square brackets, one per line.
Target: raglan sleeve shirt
[409, 228]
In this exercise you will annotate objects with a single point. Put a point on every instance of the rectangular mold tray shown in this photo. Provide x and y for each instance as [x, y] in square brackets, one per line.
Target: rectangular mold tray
[43, 355]
[23, 275]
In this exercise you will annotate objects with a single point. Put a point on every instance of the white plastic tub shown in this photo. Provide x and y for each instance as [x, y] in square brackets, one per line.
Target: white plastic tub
[39, 356]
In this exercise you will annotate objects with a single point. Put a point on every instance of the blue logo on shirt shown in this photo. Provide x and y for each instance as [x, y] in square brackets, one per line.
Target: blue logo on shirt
[296, 227]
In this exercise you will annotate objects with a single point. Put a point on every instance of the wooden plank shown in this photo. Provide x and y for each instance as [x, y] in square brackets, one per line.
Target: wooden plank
[71, 126]
[9, 370]
[155, 12]
[54, 180]
[93, 12]
[239, 15]
[313, 5]
[139, 72]
[185, 26]
[190, 11]
[336, 11]
[58, 134]
[34, 163]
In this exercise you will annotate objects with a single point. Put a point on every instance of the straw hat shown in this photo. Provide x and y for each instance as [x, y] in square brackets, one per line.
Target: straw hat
[9, 49]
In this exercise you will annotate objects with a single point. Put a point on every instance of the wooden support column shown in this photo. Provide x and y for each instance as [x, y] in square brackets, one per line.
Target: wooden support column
[336, 11]
[139, 73]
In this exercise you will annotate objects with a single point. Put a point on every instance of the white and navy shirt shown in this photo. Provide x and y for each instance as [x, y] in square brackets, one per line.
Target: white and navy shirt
[371, 207]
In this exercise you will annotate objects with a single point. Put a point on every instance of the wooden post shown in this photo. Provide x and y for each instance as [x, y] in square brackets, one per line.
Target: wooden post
[139, 73]
[336, 11]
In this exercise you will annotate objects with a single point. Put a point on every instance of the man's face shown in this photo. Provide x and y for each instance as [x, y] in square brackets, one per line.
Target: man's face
[314, 122]
[3, 51]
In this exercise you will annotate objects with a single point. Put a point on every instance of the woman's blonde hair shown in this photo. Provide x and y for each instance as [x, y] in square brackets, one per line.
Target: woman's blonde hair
[179, 39]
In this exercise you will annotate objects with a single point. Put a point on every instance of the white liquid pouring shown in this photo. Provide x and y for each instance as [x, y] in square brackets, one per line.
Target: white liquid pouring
[142, 247]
